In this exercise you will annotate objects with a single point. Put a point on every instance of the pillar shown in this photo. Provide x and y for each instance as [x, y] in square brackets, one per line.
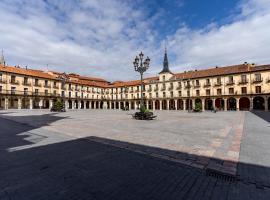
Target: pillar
[79, 105]
[40, 103]
[129, 105]
[84, 105]
[251, 103]
[72, 104]
[154, 104]
[6, 103]
[50, 103]
[237, 104]
[175, 104]
[19, 103]
[184, 104]
[168, 104]
[31, 103]
[66, 104]
[203, 104]
[147, 105]
[160, 105]
[193, 104]
[225, 104]
[266, 103]
[214, 103]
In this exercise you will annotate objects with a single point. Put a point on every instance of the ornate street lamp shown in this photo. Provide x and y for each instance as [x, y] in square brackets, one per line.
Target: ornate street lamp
[141, 66]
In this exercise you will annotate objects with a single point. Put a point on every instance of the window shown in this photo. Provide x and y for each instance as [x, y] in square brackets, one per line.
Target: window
[1, 78]
[231, 91]
[164, 94]
[163, 77]
[54, 92]
[156, 94]
[244, 90]
[208, 92]
[25, 91]
[218, 80]
[197, 92]
[188, 93]
[179, 93]
[63, 93]
[208, 81]
[36, 91]
[244, 78]
[13, 79]
[219, 91]
[258, 77]
[25, 80]
[150, 87]
[54, 83]
[13, 90]
[179, 85]
[171, 85]
[36, 82]
[258, 89]
[230, 79]
[46, 92]
[0, 88]
[171, 94]
[197, 83]
[46, 83]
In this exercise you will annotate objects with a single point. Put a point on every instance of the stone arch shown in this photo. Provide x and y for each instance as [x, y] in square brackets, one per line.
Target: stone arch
[198, 102]
[244, 103]
[82, 105]
[164, 105]
[258, 103]
[231, 103]
[157, 105]
[219, 104]
[188, 104]
[132, 105]
[97, 105]
[76, 104]
[25, 103]
[208, 104]
[150, 105]
[180, 104]
[87, 105]
[171, 104]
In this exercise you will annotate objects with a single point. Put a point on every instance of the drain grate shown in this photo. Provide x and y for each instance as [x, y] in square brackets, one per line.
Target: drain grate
[220, 175]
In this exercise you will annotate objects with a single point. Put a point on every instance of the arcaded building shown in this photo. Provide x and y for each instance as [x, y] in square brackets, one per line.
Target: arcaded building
[239, 87]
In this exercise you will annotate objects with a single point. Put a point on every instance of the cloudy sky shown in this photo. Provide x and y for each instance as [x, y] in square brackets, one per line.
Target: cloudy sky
[101, 38]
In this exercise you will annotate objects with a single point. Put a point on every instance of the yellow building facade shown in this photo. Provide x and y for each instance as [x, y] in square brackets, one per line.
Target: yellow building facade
[239, 87]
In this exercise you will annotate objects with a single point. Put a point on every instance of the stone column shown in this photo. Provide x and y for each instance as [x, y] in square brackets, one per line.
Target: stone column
[129, 105]
[50, 103]
[72, 104]
[147, 105]
[160, 105]
[251, 103]
[154, 103]
[237, 104]
[6, 103]
[119, 105]
[175, 104]
[79, 105]
[66, 105]
[19, 103]
[84, 105]
[193, 103]
[31, 103]
[214, 103]
[225, 104]
[184, 104]
[266, 103]
[168, 104]
[40, 104]
[203, 104]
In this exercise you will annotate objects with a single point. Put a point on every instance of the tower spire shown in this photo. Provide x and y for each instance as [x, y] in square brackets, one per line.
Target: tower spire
[2, 58]
[165, 63]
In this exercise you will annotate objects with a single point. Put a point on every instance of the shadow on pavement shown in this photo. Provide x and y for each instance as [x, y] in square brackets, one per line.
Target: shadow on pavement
[262, 114]
[88, 168]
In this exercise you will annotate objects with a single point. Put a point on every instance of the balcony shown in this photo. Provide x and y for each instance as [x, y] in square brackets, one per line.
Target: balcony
[217, 84]
[207, 85]
[268, 80]
[70, 88]
[179, 87]
[170, 88]
[257, 80]
[55, 86]
[149, 90]
[156, 89]
[26, 83]
[37, 84]
[230, 83]
[3, 81]
[187, 86]
[163, 88]
[47, 85]
[14, 82]
[242, 82]
[197, 86]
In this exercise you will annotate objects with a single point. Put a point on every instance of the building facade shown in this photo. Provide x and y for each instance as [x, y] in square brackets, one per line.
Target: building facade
[238, 87]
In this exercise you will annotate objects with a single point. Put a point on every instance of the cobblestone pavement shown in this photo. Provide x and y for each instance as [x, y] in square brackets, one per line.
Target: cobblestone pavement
[206, 140]
[41, 162]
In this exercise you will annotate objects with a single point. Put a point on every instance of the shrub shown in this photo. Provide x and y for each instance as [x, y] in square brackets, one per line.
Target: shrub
[58, 105]
[198, 107]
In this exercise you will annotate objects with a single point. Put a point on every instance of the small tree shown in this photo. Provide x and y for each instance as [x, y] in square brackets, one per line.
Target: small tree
[198, 107]
[58, 105]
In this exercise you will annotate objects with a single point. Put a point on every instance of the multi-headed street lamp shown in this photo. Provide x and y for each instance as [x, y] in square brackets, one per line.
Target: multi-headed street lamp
[141, 66]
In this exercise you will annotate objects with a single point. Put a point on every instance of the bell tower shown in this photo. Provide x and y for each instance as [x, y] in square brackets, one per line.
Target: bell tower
[2, 59]
[165, 73]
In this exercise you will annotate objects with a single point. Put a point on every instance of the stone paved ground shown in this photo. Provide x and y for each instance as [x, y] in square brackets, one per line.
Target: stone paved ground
[204, 140]
[42, 162]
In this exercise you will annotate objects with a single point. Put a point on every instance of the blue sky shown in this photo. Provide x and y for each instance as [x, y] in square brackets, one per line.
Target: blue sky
[101, 38]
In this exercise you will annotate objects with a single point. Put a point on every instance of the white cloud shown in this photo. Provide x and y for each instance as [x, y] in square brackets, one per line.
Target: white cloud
[101, 38]
[246, 39]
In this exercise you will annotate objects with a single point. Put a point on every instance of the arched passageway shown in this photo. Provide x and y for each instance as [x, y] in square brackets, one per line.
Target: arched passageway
[46, 103]
[180, 104]
[157, 105]
[69, 104]
[82, 104]
[101, 105]
[25, 103]
[198, 103]
[117, 105]
[113, 105]
[208, 104]
[13, 103]
[76, 104]
[231, 103]
[164, 105]
[188, 104]
[97, 105]
[171, 104]
[244, 103]
[219, 104]
[87, 105]
[150, 105]
[36, 103]
[2, 103]
[132, 105]
[258, 103]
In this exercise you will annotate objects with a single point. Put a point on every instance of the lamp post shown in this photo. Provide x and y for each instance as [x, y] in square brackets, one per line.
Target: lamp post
[141, 66]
